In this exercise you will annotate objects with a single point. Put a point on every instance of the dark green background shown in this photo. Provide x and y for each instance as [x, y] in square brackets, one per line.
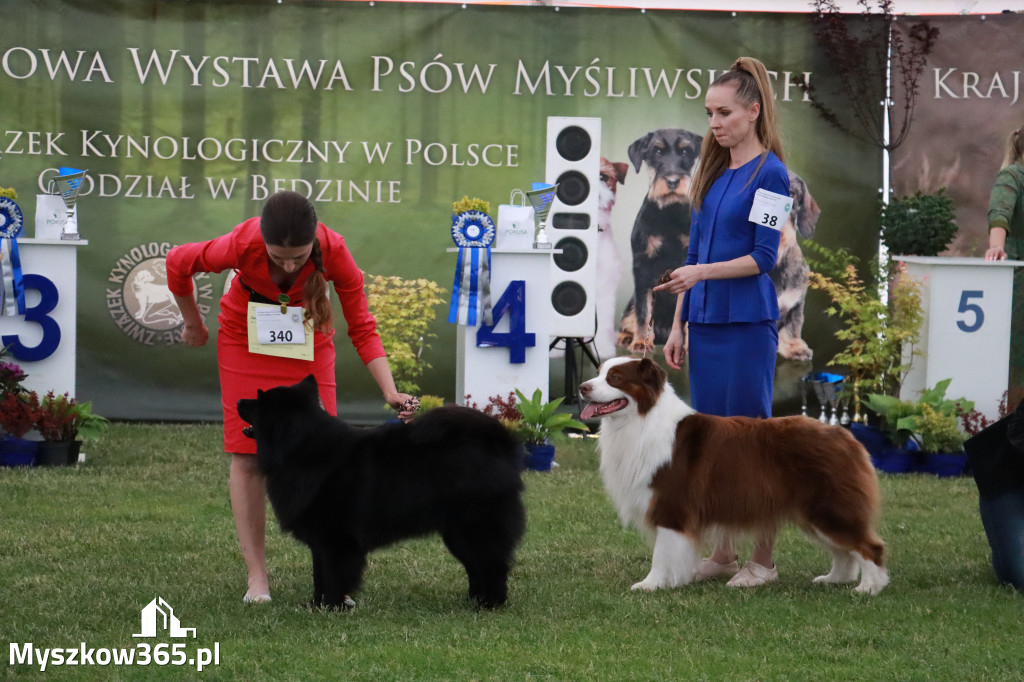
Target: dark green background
[127, 379]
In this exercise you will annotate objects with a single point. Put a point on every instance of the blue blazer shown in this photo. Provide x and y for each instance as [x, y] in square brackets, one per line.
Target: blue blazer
[720, 231]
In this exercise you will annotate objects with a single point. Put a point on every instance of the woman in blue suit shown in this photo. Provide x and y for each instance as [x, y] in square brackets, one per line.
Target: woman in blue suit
[726, 304]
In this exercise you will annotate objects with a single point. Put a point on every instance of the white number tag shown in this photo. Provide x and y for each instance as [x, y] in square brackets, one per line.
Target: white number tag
[770, 209]
[274, 328]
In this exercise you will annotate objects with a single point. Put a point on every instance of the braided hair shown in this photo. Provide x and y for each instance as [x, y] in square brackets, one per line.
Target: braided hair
[289, 220]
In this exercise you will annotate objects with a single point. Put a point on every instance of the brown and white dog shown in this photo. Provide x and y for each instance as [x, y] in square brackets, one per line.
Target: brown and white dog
[681, 476]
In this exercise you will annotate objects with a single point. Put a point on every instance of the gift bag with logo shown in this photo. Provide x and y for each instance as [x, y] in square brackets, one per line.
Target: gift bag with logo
[51, 216]
[515, 223]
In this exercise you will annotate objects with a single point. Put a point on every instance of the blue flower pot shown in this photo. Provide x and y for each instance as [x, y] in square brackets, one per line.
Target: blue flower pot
[885, 456]
[539, 457]
[17, 452]
[945, 465]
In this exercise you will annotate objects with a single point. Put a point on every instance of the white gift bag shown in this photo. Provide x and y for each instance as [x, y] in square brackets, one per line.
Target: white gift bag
[515, 224]
[51, 216]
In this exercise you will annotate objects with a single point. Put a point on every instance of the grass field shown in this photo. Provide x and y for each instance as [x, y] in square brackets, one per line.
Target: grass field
[84, 549]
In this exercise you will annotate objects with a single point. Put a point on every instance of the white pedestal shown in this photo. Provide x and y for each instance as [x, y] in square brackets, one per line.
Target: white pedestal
[57, 261]
[485, 372]
[965, 334]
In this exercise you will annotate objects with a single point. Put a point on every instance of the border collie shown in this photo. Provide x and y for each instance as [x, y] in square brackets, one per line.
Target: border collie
[681, 475]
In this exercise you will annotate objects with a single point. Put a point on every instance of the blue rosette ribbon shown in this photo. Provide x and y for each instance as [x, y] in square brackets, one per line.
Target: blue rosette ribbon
[473, 232]
[12, 286]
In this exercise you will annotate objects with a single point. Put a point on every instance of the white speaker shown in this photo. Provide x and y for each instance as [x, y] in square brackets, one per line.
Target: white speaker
[573, 160]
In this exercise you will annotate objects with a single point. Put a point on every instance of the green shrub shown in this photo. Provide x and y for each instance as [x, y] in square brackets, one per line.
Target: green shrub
[921, 225]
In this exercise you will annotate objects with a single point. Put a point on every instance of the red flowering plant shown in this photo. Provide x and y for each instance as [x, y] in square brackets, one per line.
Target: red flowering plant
[18, 412]
[61, 418]
[11, 376]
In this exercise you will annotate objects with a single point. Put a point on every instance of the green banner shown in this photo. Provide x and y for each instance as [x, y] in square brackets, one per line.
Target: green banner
[188, 115]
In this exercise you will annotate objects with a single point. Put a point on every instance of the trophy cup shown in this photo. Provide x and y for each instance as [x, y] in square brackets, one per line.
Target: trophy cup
[540, 198]
[69, 184]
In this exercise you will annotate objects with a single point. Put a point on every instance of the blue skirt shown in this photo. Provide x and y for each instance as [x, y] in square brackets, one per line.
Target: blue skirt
[732, 368]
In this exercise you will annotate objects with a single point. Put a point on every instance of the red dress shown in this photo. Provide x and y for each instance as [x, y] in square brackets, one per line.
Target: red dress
[242, 372]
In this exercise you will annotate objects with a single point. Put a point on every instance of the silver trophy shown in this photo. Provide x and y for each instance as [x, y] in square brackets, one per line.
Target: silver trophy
[68, 184]
[540, 198]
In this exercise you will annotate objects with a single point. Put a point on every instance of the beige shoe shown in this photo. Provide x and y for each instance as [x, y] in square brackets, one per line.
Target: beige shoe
[710, 569]
[256, 598]
[754, 575]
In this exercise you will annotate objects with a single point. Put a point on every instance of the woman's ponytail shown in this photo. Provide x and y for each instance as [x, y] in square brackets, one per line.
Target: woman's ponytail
[314, 293]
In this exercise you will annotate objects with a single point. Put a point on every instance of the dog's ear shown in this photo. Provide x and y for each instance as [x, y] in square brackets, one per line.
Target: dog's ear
[620, 171]
[811, 213]
[651, 374]
[638, 150]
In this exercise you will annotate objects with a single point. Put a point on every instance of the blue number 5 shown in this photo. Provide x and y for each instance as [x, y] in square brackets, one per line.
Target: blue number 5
[39, 315]
[966, 307]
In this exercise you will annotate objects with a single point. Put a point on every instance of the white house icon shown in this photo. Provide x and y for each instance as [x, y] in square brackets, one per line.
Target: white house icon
[159, 612]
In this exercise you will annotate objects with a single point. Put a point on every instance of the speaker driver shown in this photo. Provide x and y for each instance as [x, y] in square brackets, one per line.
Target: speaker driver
[574, 254]
[573, 188]
[573, 143]
[571, 221]
[568, 299]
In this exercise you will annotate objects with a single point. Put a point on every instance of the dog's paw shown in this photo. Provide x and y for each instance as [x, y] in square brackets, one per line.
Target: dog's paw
[641, 346]
[796, 349]
[646, 585]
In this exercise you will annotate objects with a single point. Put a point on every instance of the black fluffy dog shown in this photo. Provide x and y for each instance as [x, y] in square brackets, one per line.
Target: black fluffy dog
[345, 491]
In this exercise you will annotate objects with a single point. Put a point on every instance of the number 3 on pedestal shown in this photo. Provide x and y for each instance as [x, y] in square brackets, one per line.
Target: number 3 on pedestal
[516, 339]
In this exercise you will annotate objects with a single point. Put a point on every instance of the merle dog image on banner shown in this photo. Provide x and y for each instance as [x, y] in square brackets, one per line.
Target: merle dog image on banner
[345, 491]
[790, 272]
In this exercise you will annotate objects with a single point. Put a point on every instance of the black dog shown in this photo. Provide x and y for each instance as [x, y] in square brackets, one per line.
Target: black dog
[661, 232]
[345, 491]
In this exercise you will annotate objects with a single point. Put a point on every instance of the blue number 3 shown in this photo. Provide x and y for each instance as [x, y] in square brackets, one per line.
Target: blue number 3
[966, 307]
[40, 315]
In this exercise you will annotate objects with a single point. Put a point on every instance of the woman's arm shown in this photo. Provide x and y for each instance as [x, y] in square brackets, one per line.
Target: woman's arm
[380, 370]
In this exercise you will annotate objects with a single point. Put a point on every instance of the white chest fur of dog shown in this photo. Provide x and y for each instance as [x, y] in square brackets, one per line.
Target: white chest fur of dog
[677, 475]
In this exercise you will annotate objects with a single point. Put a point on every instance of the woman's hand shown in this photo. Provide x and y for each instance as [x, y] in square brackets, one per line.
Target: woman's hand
[406, 405]
[681, 280]
[675, 347]
[995, 253]
[195, 335]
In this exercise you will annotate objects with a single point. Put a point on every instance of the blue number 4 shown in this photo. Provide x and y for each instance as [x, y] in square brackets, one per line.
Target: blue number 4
[516, 339]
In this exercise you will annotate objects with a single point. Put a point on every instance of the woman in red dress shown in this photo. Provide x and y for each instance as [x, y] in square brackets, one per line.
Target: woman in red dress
[285, 252]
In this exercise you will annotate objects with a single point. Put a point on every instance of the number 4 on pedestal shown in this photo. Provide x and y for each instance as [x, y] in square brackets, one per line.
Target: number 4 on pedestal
[516, 339]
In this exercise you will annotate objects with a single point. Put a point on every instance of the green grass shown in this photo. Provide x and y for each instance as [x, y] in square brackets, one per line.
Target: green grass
[83, 549]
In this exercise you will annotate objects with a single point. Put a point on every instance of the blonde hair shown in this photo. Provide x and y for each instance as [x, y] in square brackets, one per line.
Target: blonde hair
[752, 85]
[289, 220]
[1014, 148]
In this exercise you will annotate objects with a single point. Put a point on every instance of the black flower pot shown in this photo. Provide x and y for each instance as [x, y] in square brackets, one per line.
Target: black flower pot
[53, 453]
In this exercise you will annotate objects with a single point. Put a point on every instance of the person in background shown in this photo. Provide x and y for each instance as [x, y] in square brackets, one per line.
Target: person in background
[285, 256]
[725, 297]
[996, 455]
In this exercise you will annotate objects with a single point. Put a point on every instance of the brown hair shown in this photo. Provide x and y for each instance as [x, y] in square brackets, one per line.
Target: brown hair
[289, 220]
[752, 85]
[1014, 148]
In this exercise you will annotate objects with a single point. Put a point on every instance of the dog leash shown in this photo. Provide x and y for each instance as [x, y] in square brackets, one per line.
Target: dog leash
[665, 277]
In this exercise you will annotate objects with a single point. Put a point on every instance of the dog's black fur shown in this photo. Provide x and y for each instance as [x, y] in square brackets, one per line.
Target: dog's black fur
[344, 491]
[661, 232]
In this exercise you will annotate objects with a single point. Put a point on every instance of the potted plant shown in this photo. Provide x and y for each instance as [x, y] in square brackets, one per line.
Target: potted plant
[880, 336]
[539, 423]
[929, 425]
[64, 423]
[921, 225]
[18, 413]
